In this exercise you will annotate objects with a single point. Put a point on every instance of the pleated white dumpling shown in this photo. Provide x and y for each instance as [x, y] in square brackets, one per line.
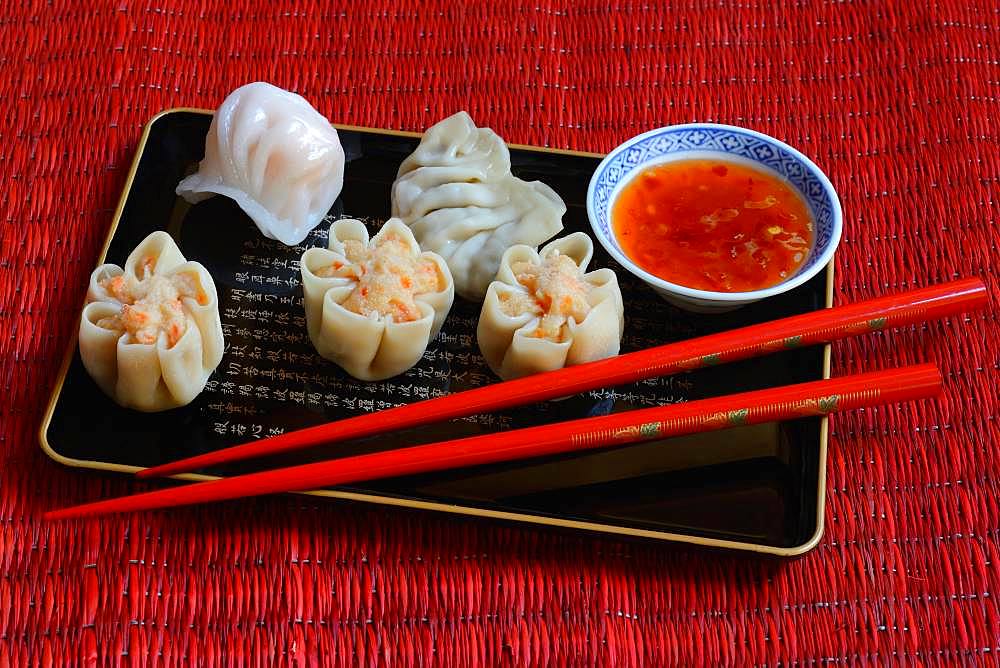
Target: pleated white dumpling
[150, 334]
[276, 156]
[543, 312]
[457, 142]
[373, 305]
[457, 194]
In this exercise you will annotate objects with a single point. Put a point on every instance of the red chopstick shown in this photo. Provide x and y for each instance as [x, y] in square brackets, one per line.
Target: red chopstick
[822, 326]
[815, 398]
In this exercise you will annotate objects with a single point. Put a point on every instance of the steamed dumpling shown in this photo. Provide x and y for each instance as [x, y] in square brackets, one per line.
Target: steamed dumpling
[472, 239]
[543, 312]
[150, 334]
[457, 142]
[457, 194]
[373, 305]
[276, 156]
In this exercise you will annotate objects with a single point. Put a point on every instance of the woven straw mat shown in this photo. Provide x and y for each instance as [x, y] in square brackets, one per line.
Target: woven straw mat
[897, 101]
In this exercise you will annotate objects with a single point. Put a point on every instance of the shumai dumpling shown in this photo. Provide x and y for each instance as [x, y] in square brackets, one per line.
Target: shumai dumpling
[150, 334]
[543, 312]
[457, 194]
[373, 305]
[276, 156]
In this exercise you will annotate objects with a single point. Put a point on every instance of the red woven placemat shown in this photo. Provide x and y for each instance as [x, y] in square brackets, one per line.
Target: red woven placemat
[898, 102]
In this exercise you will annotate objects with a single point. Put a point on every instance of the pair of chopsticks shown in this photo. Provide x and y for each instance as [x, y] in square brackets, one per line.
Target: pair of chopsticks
[814, 398]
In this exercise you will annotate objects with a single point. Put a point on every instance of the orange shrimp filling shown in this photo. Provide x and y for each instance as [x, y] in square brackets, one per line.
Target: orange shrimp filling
[389, 277]
[147, 266]
[154, 306]
[555, 291]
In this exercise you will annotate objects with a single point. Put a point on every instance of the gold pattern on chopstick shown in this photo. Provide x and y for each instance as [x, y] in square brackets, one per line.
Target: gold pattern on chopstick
[770, 346]
[688, 364]
[685, 425]
[831, 403]
[836, 402]
[822, 405]
[810, 337]
[814, 336]
[732, 418]
[737, 417]
[828, 404]
[716, 420]
[584, 440]
[787, 343]
[633, 432]
[793, 342]
[647, 430]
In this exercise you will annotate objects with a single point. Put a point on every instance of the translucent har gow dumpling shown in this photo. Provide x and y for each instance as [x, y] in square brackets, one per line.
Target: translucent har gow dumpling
[275, 156]
[457, 194]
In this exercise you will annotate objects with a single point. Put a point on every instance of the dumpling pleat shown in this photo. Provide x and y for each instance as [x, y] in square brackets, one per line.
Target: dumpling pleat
[598, 336]
[495, 329]
[140, 379]
[205, 316]
[529, 354]
[182, 366]
[99, 346]
[441, 300]
[96, 291]
[349, 339]
[402, 345]
[161, 248]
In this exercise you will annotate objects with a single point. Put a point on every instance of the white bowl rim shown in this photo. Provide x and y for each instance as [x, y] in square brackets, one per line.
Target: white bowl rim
[710, 295]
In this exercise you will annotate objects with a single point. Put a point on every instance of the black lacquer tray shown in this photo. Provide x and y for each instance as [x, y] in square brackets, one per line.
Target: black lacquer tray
[757, 488]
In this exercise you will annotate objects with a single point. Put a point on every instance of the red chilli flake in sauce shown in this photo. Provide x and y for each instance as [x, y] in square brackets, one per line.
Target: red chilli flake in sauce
[713, 225]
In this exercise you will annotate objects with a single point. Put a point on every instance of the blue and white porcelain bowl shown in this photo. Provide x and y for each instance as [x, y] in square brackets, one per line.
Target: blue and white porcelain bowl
[708, 140]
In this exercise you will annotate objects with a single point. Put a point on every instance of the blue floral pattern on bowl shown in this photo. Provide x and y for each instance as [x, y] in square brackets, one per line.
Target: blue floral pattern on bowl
[658, 144]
